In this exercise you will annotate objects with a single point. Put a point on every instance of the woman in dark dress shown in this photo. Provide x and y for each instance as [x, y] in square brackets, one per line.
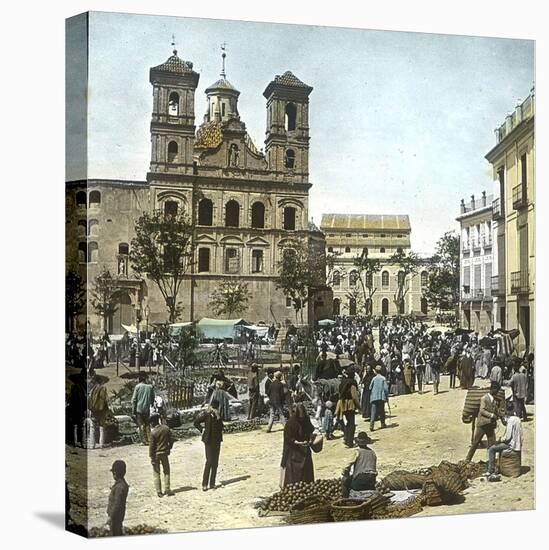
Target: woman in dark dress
[365, 397]
[297, 461]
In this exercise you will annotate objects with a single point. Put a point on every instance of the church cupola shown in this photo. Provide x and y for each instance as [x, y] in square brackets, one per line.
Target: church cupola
[222, 98]
[172, 125]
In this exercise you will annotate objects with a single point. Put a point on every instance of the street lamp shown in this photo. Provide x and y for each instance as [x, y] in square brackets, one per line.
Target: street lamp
[138, 349]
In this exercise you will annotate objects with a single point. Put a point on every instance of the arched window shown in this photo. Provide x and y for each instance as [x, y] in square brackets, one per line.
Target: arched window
[172, 151]
[365, 252]
[173, 104]
[337, 278]
[82, 252]
[336, 306]
[424, 278]
[382, 250]
[400, 278]
[82, 228]
[352, 306]
[347, 249]
[289, 158]
[369, 280]
[232, 214]
[258, 215]
[330, 249]
[288, 218]
[384, 278]
[93, 252]
[123, 248]
[95, 198]
[81, 199]
[353, 278]
[424, 306]
[93, 226]
[290, 116]
[170, 208]
[385, 306]
[205, 212]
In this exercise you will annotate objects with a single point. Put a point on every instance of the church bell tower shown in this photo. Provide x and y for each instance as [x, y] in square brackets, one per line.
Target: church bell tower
[172, 125]
[287, 136]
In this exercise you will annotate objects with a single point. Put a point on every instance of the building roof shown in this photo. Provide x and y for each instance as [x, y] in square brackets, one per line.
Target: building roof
[221, 84]
[289, 79]
[174, 64]
[365, 221]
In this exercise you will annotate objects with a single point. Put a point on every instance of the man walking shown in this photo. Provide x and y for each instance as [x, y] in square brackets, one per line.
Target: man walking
[209, 423]
[253, 392]
[142, 400]
[451, 367]
[496, 374]
[519, 385]
[161, 443]
[486, 421]
[378, 396]
[276, 394]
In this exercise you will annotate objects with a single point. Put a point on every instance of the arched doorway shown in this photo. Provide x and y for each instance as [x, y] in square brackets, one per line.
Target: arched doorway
[352, 306]
[336, 306]
[124, 314]
[424, 306]
[385, 306]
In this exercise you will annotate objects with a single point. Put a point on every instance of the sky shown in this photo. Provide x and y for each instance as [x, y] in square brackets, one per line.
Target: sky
[399, 122]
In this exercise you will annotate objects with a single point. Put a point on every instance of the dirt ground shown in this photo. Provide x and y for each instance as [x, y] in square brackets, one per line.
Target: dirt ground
[423, 430]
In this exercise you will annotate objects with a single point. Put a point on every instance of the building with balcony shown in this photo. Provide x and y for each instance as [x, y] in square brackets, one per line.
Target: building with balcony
[349, 236]
[476, 304]
[512, 159]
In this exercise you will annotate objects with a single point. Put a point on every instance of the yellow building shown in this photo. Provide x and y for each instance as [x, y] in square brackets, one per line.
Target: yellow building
[513, 281]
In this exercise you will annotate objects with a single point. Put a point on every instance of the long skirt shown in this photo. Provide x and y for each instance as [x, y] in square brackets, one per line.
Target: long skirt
[365, 403]
[298, 466]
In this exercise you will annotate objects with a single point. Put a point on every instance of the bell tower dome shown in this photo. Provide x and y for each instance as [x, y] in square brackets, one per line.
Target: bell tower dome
[172, 125]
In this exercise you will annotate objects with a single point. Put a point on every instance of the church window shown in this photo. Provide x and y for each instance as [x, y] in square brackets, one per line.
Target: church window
[232, 214]
[170, 208]
[203, 260]
[289, 160]
[205, 212]
[290, 117]
[173, 104]
[385, 278]
[223, 108]
[288, 218]
[81, 199]
[172, 151]
[258, 215]
[95, 198]
[257, 261]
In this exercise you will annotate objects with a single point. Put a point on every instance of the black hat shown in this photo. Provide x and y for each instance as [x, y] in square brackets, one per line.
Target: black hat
[363, 439]
[119, 467]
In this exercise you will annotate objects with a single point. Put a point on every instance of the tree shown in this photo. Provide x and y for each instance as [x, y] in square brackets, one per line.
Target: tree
[333, 272]
[366, 268]
[301, 270]
[163, 251]
[408, 265]
[75, 298]
[230, 298]
[354, 295]
[104, 294]
[443, 289]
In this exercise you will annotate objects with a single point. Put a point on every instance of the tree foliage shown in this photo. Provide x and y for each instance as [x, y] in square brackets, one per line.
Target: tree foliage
[366, 268]
[408, 265]
[104, 296]
[443, 289]
[75, 297]
[162, 250]
[230, 298]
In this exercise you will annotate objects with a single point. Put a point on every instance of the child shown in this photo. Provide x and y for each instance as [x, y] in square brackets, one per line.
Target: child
[328, 421]
[116, 509]
[160, 445]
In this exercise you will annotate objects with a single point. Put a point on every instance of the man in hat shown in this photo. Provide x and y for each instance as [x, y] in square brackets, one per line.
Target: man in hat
[488, 414]
[378, 396]
[209, 423]
[142, 400]
[116, 509]
[253, 391]
[496, 374]
[511, 442]
[364, 467]
[98, 403]
[161, 443]
[519, 385]
[277, 397]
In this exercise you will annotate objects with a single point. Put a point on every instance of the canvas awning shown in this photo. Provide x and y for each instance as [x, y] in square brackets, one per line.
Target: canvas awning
[326, 323]
[220, 328]
[132, 329]
[176, 328]
[260, 331]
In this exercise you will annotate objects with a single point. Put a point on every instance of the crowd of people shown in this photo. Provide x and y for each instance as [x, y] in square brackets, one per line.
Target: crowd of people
[355, 373]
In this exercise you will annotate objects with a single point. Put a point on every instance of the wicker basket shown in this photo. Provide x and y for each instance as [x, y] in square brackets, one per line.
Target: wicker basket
[347, 509]
[404, 509]
[401, 480]
[510, 464]
[449, 478]
[431, 494]
[313, 509]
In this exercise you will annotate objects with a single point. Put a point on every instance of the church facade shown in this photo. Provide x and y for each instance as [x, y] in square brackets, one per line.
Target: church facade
[246, 205]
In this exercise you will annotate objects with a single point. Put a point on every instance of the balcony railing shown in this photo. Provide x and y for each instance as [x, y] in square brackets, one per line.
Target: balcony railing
[476, 244]
[519, 282]
[519, 196]
[497, 210]
[498, 285]
[487, 240]
[476, 295]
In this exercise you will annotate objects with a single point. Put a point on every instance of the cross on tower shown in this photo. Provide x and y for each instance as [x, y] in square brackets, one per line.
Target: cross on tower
[223, 56]
[173, 44]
